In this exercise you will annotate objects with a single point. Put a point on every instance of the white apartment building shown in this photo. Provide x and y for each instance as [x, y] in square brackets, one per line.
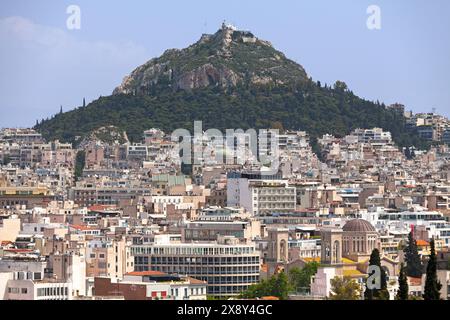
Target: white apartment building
[261, 196]
[271, 196]
[19, 286]
[375, 136]
[228, 267]
[433, 221]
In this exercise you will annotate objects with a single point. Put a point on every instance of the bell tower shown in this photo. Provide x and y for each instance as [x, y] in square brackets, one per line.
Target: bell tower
[331, 246]
[278, 245]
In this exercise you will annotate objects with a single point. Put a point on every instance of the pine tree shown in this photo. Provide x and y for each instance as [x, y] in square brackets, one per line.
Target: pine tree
[412, 258]
[345, 288]
[382, 293]
[279, 286]
[432, 284]
[403, 288]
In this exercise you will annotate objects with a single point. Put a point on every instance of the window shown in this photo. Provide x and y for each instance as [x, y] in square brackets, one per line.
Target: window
[24, 290]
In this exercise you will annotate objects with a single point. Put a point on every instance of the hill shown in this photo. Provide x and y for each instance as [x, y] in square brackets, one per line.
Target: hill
[229, 80]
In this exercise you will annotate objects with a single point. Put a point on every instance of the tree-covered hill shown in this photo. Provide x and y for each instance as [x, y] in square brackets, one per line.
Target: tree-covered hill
[229, 80]
[308, 107]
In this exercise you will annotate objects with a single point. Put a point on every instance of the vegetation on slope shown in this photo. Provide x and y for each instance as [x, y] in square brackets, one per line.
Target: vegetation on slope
[309, 107]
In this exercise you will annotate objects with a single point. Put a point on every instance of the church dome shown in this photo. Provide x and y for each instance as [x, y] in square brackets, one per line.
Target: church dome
[358, 225]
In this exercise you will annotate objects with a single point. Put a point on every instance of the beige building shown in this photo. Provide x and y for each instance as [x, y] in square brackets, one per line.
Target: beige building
[108, 258]
[9, 229]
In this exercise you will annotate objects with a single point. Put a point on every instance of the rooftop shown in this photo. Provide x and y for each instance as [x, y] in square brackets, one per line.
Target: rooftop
[358, 225]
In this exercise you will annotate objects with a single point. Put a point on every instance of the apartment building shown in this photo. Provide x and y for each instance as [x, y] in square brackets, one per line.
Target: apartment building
[271, 196]
[109, 258]
[29, 289]
[28, 197]
[151, 285]
[93, 195]
[211, 230]
[260, 196]
[228, 267]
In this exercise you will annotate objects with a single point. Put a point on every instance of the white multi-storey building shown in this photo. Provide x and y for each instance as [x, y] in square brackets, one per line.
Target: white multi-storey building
[228, 267]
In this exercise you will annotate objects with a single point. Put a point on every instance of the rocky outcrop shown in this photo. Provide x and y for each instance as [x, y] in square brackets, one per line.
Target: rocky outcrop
[223, 59]
[207, 75]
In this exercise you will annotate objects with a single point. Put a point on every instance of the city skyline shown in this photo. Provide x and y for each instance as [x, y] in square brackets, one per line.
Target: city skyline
[47, 65]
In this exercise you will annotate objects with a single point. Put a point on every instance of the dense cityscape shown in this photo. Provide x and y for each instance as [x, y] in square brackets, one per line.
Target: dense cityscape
[112, 220]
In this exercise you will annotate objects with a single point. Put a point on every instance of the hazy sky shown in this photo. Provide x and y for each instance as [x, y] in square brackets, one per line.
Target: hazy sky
[43, 64]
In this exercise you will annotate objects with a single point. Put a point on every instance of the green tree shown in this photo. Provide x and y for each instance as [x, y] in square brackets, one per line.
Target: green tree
[344, 288]
[412, 258]
[303, 106]
[277, 286]
[403, 288]
[408, 153]
[80, 162]
[277, 125]
[280, 287]
[300, 279]
[340, 86]
[432, 284]
[381, 293]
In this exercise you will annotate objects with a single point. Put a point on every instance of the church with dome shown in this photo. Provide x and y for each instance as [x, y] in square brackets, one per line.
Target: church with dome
[344, 251]
[348, 249]
[355, 241]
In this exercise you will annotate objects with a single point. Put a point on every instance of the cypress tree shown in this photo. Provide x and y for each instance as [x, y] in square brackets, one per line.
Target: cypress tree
[408, 153]
[412, 258]
[382, 293]
[84, 102]
[403, 289]
[432, 284]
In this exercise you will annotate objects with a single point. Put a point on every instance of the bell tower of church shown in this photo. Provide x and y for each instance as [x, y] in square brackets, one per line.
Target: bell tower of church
[331, 246]
[278, 245]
